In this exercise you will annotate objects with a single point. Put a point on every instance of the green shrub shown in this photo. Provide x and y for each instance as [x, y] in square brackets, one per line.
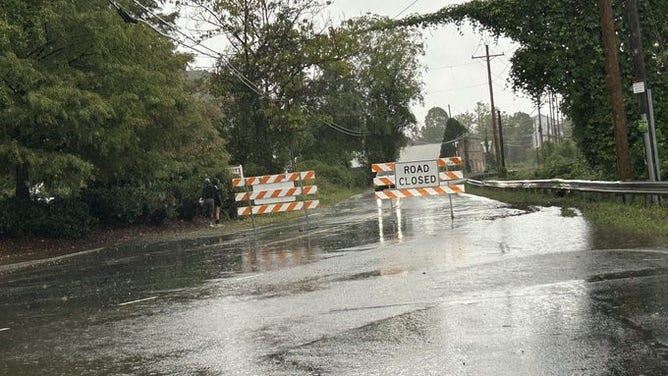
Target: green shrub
[565, 162]
[184, 195]
[59, 218]
[68, 218]
[115, 205]
[126, 205]
[17, 216]
[336, 174]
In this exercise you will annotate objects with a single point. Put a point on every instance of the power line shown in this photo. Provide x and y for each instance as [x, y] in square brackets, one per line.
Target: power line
[495, 130]
[344, 130]
[438, 67]
[246, 81]
[407, 8]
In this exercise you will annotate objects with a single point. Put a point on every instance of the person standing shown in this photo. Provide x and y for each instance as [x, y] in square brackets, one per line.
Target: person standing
[217, 200]
[208, 199]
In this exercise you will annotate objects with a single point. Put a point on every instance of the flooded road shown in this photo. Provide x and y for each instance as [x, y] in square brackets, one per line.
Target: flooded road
[354, 290]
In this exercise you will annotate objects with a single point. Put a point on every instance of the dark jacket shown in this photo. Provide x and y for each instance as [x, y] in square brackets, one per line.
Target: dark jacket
[209, 192]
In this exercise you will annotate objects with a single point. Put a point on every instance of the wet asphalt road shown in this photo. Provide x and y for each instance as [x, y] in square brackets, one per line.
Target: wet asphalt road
[356, 291]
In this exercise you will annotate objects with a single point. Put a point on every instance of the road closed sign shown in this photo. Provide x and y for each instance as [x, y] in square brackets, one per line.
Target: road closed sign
[416, 174]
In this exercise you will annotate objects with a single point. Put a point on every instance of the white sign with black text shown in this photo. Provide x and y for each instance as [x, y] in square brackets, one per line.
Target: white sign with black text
[416, 174]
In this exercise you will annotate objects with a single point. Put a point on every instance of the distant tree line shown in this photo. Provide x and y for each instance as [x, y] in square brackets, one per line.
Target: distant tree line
[518, 133]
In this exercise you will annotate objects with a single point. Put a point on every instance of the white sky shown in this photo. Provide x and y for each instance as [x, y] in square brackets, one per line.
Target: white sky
[452, 77]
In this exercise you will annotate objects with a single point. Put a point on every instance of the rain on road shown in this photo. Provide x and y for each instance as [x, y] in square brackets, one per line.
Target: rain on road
[351, 291]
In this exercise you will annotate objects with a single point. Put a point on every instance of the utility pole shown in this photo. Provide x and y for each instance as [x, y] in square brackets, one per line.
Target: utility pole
[557, 126]
[495, 135]
[503, 153]
[540, 124]
[641, 87]
[550, 118]
[539, 134]
[614, 84]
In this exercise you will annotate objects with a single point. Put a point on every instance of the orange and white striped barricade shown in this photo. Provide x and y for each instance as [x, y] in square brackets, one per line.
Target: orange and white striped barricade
[418, 178]
[275, 193]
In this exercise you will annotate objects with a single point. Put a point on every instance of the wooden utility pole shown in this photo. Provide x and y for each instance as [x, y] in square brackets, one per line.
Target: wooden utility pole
[503, 152]
[495, 135]
[540, 123]
[550, 118]
[614, 83]
[641, 87]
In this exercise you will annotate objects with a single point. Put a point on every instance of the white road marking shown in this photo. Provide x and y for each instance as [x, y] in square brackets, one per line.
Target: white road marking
[137, 301]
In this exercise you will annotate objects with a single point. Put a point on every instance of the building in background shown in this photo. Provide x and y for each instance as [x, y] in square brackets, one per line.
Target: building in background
[472, 151]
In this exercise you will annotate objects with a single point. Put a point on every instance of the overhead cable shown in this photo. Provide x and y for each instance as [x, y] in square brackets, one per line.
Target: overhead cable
[246, 81]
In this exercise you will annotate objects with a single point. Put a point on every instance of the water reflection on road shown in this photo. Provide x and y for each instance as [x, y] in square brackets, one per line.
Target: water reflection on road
[492, 291]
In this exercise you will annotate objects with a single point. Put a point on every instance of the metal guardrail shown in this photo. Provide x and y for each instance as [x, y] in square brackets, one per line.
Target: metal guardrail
[622, 187]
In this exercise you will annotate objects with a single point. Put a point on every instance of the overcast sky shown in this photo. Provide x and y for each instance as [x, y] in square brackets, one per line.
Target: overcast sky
[452, 77]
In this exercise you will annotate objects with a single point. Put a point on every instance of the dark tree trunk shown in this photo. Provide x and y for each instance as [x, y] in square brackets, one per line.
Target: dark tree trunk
[22, 181]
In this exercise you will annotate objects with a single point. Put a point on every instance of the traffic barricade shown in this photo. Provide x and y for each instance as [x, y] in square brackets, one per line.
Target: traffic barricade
[275, 193]
[418, 178]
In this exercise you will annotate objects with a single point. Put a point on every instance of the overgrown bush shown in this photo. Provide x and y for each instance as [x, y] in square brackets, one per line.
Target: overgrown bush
[336, 174]
[185, 194]
[161, 201]
[126, 205]
[115, 205]
[68, 218]
[563, 161]
[59, 218]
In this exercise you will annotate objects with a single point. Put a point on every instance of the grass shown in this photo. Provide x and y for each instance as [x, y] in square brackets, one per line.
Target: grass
[627, 218]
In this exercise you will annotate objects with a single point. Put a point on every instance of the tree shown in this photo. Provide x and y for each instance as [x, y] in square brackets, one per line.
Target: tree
[86, 96]
[337, 133]
[452, 135]
[561, 52]
[388, 70]
[292, 91]
[434, 125]
[366, 93]
[271, 48]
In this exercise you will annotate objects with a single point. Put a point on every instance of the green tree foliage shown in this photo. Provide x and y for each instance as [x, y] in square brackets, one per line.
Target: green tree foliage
[452, 135]
[434, 125]
[293, 91]
[561, 51]
[479, 121]
[390, 81]
[366, 94]
[86, 96]
[337, 133]
[564, 161]
[263, 75]
[94, 112]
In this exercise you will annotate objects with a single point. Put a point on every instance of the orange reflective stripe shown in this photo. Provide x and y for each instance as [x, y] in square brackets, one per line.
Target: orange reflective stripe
[378, 167]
